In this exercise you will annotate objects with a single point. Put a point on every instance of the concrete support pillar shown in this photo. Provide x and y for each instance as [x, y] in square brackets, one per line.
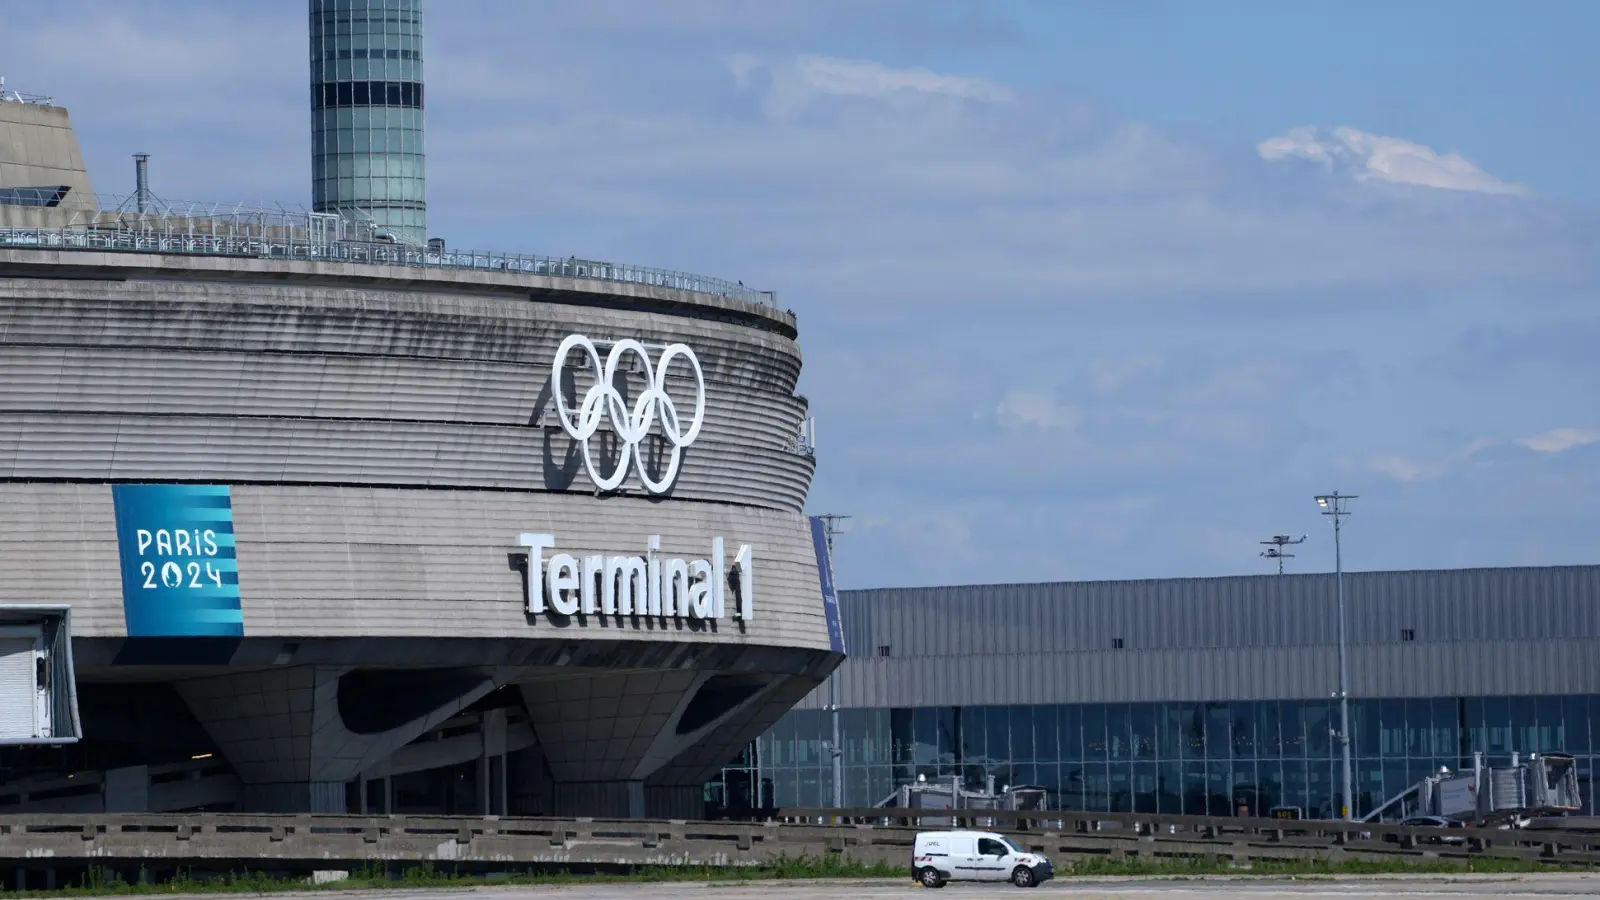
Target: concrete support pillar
[284, 732]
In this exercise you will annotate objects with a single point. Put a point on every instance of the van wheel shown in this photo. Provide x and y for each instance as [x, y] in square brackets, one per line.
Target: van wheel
[930, 877]
[1022, 876]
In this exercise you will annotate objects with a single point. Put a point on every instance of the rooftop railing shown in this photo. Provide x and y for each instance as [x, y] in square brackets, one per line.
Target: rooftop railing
[115, 224]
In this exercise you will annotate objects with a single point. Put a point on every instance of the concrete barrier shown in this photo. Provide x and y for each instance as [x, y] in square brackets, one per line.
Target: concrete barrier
[208, 841]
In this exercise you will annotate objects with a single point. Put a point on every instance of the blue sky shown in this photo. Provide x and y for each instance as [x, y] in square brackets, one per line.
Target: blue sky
[1087, 289]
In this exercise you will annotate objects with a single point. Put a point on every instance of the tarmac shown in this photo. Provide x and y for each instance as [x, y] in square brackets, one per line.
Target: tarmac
[1416, 887]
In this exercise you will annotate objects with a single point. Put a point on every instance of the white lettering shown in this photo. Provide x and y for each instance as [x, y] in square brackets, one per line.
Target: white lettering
[719, 579]
[536, 544]
[653, 577]
[144, 540]
[742, 561]
[591, 580]
[563, 584]
[649, 585]
[675, 592]
[700, 590]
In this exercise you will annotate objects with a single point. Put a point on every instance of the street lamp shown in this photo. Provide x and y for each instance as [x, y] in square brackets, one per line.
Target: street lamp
[1333, 507]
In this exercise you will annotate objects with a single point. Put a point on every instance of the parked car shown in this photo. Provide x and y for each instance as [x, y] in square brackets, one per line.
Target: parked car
[938, 857]
[1436, 822]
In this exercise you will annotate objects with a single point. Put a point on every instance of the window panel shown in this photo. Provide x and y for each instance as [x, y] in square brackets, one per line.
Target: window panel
[1094, 732]
[1550, 733]
[1045, 724]
[1119, 728]
[1243, 729]
[1022, 744]
[1524, 738]
[1143, 716]
[1071, 726]
[997, 742]
[1218, 733]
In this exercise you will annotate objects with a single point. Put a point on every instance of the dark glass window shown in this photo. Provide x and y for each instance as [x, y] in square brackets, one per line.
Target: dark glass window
[1269, 737]
[1022, 744]
[398, 94]
[1144, 732]
[1219, 727]
[1575, 712]
[902, 738]
[971, 734]
[1094, 732]
[997, 745]
[925, 737]
[1119, 728]
[1523, 736]
[1244, 730]
[1045, 722]
[1169, 718]
[1419, 727]
[1497, 724]
[1292, 729]
[1551, 732]
[1392, 724]
[1472, 718]
[1071, 732]
[949, 732]
[1364, 727]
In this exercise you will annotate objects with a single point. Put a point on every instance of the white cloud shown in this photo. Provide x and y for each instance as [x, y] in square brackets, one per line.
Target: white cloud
[1403, 468]
[1407, 469]
[797, 83]
[1023, 408]
[1560, 440]
[1373, 157]
[864, 78]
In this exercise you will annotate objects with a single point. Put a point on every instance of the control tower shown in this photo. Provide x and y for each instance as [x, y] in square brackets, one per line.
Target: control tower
[366, 114]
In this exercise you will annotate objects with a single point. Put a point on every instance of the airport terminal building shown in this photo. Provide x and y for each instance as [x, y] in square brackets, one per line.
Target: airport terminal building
[303, 515]
[1195, 695]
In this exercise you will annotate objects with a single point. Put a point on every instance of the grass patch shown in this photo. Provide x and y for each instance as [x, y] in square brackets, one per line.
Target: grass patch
[103, 882]
[1222, 865]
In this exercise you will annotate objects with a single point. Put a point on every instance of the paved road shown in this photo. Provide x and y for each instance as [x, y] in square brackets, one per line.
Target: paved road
[1430, 887]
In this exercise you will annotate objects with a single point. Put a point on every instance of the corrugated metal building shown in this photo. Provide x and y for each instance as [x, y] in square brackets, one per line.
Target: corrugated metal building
[1206, 693]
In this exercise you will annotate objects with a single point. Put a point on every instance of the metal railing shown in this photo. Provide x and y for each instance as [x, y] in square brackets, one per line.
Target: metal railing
[116, 224]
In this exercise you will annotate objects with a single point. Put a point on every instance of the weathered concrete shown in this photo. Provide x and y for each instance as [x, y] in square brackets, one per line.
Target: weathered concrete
[327, 842]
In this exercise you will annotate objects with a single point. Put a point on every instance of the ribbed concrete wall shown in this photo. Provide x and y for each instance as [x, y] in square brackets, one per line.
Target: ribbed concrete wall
[361, 562]
[321, 385]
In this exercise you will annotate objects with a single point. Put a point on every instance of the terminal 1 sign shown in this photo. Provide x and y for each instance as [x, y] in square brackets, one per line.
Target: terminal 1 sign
[648, 585]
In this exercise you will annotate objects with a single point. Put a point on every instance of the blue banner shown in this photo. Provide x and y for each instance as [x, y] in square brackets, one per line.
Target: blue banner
[830, 597]
[180, 577]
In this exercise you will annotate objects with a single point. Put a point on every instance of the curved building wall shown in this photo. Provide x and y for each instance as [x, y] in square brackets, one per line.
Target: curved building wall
[382, 440]
[367, 149]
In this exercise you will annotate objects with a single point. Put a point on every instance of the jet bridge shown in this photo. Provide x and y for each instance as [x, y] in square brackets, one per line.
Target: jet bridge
[38, 690]
[1538, 785]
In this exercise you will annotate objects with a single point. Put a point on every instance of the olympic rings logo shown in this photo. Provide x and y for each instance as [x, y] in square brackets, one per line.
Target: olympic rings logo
[630, 425]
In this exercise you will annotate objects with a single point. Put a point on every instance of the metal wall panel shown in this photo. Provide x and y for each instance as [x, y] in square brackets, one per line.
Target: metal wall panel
[1477, 632]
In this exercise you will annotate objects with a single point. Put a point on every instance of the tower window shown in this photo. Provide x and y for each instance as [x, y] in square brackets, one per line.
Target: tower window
[1408, 634]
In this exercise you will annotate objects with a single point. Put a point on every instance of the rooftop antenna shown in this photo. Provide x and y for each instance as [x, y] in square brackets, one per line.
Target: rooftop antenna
[1275, 548]
[141, 181]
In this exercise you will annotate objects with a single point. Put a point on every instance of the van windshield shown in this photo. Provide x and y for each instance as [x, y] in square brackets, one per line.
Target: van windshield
[1010, 845]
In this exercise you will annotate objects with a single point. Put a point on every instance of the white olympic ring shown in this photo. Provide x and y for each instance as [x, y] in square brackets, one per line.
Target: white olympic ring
[630, 426]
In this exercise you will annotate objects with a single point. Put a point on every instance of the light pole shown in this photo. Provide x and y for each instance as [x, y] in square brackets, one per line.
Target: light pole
[1333, 507]
[832, 524]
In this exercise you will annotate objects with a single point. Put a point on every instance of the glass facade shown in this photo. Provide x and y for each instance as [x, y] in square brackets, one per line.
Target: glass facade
[1194, 758]
[366, 113]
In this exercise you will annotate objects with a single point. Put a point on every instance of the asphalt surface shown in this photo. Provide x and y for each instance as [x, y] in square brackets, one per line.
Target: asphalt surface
[1419, 887]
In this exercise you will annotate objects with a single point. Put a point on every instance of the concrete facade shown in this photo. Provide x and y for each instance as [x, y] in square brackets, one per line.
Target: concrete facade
[38, 148]
[386, 436]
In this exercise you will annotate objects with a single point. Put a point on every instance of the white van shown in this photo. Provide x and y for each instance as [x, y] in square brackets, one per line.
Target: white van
[941, 856]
